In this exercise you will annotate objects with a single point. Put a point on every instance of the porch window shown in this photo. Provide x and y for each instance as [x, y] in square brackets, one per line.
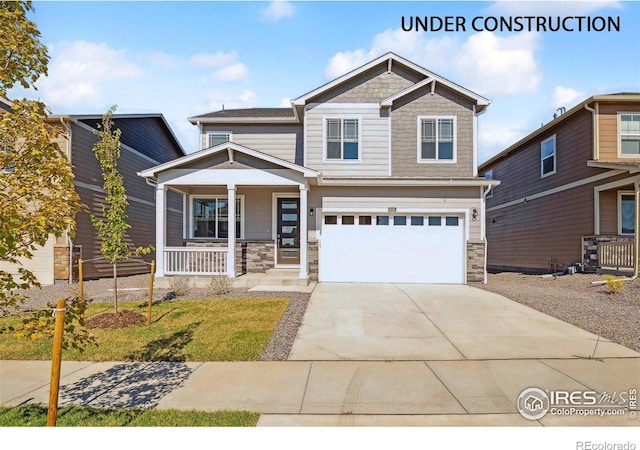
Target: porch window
[210, 217]
[436, 139]
[548, 157]
[630, 134]
[627, 209]
[342, 139]
[217, 138]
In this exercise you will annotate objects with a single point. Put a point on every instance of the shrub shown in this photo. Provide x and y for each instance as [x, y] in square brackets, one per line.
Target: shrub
[179, 285]
[220, 285]
[614, 285]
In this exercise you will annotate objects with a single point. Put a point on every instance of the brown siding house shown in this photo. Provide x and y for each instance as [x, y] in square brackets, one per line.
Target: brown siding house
[567, 191]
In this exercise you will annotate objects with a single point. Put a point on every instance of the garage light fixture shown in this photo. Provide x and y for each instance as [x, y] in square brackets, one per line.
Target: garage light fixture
[474, 214]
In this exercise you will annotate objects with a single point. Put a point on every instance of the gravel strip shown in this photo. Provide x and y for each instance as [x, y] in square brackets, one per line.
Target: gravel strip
[573, 299]
[98, 291]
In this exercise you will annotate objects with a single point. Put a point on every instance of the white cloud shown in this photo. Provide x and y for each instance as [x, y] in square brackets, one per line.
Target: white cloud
[79, 71]
[285, 102]
[550, 7]
[162, 59]
[492, 139]
[566, 97]
[233, 72]
[486, 63]
[277, 10]
[214, 59]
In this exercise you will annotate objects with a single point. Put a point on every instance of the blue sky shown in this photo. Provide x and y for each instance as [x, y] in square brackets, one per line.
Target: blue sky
[187, 58]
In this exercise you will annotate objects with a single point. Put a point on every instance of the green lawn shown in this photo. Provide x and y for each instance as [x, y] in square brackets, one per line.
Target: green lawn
[75, 416]
[182, 330]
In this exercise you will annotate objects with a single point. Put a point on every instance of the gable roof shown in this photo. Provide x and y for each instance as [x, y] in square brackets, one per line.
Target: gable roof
[226, 146]
[618, 97]
[389, 59]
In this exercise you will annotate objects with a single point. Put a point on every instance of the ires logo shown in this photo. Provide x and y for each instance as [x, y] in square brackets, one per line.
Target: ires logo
[534, 403]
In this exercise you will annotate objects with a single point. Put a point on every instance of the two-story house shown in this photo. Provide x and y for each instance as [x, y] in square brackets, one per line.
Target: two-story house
[568, 190]
[146, 139]
[371, 177]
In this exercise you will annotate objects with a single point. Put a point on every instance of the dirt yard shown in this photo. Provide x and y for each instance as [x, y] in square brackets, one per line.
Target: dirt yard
[574, 299]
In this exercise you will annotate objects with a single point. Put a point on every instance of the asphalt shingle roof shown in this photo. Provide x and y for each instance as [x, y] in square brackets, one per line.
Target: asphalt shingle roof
[249, 113]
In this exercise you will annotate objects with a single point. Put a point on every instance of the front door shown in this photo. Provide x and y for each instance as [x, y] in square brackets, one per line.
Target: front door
[288, 231]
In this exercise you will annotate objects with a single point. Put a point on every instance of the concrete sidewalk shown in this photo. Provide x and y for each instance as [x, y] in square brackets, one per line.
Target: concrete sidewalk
[372, 355]
[331, 393]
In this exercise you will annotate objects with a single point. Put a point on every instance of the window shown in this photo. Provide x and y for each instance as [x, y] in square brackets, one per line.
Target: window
[364, 220]
[627, 210]
[399, 220]
[435, 221]
[217, 138]
[382, 220]
[342, 139]
[330, 220]
[437, 139]
[210, 218]
[451, 221]
[348, 220]
[489, 176]
[548, 156]
[417, 221]
[630, 134]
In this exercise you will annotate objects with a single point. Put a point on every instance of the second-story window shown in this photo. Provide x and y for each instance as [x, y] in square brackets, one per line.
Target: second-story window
[630, 134]
[548, 156]
[342, 139]
[437, 139]
[217, 137]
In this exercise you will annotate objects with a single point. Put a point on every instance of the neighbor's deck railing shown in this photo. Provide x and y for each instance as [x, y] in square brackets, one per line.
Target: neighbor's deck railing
[617, 255]
[195, 260]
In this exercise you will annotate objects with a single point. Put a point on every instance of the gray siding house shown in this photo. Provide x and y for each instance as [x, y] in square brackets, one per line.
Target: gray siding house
[368, 178]
[146, 139]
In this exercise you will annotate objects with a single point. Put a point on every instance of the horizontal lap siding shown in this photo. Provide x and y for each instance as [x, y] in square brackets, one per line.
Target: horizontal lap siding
[141, 209]
[148, 135]
[282, 141]
[174, 219]
[526, 235]
[608, 129]
[373, 150]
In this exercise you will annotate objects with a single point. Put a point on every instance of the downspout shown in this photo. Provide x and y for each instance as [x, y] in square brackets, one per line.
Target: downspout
[69, 240]
[484, 192]
[596, 134]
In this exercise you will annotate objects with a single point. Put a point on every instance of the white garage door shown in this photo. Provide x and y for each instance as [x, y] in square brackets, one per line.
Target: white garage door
[396, 248]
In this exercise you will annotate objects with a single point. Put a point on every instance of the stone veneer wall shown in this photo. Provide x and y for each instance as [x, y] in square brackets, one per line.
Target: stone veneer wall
[61, 263]
[475, 261]
[313, 260]
[590, 249]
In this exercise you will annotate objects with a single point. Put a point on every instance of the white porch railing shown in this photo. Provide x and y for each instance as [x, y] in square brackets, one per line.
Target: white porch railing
[195, 260]
[616, 255]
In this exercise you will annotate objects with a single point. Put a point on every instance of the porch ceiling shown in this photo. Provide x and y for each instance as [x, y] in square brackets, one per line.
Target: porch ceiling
[631, 166]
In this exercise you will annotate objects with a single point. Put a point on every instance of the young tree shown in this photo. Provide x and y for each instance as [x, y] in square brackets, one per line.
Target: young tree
[37, 195]
[112, 228]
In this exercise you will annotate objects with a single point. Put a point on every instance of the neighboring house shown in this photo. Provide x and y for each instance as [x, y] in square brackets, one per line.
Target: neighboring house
[567, 192]
[146, 139]
[369, 178]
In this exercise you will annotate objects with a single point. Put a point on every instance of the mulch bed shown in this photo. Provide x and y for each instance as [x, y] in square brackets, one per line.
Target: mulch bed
[122, 319]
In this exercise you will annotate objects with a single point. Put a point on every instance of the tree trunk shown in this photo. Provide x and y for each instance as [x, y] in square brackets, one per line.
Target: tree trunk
[115, 288]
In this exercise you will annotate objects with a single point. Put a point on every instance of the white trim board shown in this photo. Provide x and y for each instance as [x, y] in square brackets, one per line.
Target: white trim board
[564, 187]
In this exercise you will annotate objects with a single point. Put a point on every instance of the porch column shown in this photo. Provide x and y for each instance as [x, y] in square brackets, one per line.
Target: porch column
[304, 233]
[231, 254]
[161, 222]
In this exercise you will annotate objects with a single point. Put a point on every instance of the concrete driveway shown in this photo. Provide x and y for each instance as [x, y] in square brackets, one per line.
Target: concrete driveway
[414, 322]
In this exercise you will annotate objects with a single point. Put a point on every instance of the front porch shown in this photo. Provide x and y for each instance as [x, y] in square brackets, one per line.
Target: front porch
[243, 213]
